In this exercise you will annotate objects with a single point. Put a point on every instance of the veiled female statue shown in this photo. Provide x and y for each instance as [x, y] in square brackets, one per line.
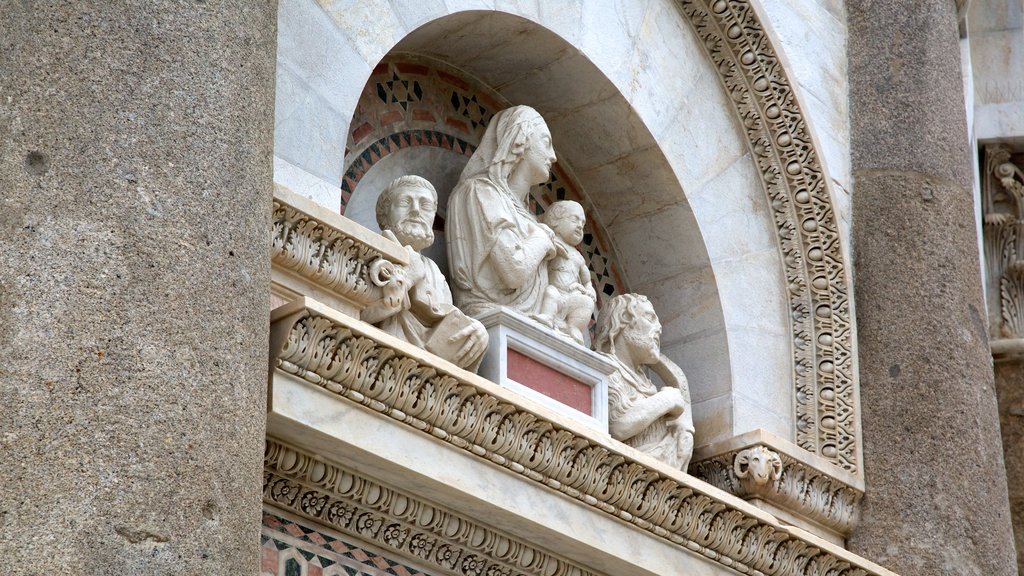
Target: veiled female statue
[497, 251]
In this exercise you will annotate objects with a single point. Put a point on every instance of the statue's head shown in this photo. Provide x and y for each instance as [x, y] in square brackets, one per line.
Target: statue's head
[629, 320]
[407, 207]
[517, 139]
[566, 218]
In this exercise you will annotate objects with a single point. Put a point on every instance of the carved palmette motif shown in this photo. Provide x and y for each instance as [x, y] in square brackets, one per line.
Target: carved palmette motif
[1003, 229]
[358, 368]
[791, 171]
[760, 472]
[393, 519]
[325, 256]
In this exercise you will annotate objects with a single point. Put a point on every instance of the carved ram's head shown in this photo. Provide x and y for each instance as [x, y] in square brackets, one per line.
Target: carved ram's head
[759, 464]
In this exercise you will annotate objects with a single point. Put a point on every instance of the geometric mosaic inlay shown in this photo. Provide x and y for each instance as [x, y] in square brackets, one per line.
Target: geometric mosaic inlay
[291, 547]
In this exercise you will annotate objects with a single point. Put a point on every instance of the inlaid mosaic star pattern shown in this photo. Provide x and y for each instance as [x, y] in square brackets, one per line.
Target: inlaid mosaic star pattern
[292, 548]
[409, 104]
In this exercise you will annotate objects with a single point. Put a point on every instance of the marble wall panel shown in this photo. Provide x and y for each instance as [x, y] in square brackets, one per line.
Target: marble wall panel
[309, 133]
[323, 192]
[664, 63]
[416, 13]
[695, 353]
[320, 53]
[752, 413]
[735, 201]
[712, 419]
[811, 36]
[996, 36]
[574, 75]
[372, 26]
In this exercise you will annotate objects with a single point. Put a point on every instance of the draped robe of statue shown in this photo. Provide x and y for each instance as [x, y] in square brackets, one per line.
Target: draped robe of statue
[625, 388]
[429, 299]
[480, 208]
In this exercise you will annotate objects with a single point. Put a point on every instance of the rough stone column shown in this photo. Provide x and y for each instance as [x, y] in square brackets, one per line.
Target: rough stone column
[135, 185]
[1010, 389]
[936, 499]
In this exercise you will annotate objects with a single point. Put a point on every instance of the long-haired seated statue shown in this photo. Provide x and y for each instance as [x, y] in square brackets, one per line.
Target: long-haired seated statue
[658, 422]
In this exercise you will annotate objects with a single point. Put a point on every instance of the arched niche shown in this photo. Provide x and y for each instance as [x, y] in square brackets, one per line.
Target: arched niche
[678, 122]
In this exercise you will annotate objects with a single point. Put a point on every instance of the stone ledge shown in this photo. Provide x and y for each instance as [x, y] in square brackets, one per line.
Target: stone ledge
[776, 475]
[363, 366]
[1007, 349]
[317, 252]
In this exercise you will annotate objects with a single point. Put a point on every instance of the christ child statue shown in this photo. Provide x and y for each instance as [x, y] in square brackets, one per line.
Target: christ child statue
[569, 298]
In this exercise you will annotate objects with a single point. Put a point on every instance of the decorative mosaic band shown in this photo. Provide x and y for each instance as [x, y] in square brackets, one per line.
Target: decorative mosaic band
[342, 356]
[290, 547]
[807, 229]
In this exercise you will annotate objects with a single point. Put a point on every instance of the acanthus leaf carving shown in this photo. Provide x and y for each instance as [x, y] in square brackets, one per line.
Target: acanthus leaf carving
[1003, 231]
[763, 473]
[469, 418]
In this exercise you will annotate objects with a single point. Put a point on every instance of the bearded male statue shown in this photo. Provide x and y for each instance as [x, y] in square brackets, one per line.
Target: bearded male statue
[658, 422]
[418, 304]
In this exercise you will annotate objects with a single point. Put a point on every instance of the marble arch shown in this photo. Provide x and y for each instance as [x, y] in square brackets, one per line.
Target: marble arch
[699, 115]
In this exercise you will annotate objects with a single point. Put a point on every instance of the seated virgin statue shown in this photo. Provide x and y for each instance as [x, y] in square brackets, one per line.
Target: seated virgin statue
[658, 422]
[497, 250]
[418, 304]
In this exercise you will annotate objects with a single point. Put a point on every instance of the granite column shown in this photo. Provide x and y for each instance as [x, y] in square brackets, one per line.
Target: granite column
[135, 183]
[936, 500]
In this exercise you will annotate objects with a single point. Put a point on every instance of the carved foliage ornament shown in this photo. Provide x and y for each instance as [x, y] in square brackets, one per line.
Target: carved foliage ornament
[326, 256]
[399, 521]
[345, 360]
[759, 472]
[807, 228]
[1003, 222]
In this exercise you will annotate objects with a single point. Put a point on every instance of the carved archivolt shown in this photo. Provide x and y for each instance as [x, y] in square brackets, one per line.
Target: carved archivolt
[396, 520]
[807, 228]
[760, 472]
[327, 257]
[343, 358]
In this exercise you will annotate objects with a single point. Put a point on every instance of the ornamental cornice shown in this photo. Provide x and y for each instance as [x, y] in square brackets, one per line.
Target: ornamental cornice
[398, 520]
[817, 278]
[759, 466]
[362, 365]
[327, 250]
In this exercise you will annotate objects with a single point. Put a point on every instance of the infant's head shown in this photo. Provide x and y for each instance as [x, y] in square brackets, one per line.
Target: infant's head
[566, 219]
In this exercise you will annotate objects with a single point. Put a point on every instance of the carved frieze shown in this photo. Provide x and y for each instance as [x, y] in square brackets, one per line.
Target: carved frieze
[1003, 222]
[397, 520]
[345, 262]
[351, 360]
[760, 470]
[791, 172]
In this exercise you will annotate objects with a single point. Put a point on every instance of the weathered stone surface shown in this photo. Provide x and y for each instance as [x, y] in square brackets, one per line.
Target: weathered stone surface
[935, 500]
[1010, 389]
[135, 190]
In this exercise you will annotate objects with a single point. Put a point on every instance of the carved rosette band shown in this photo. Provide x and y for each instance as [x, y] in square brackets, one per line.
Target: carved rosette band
[325, 256]
[346, 359]
[395, 520]
[791, 171]
[777, 478]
